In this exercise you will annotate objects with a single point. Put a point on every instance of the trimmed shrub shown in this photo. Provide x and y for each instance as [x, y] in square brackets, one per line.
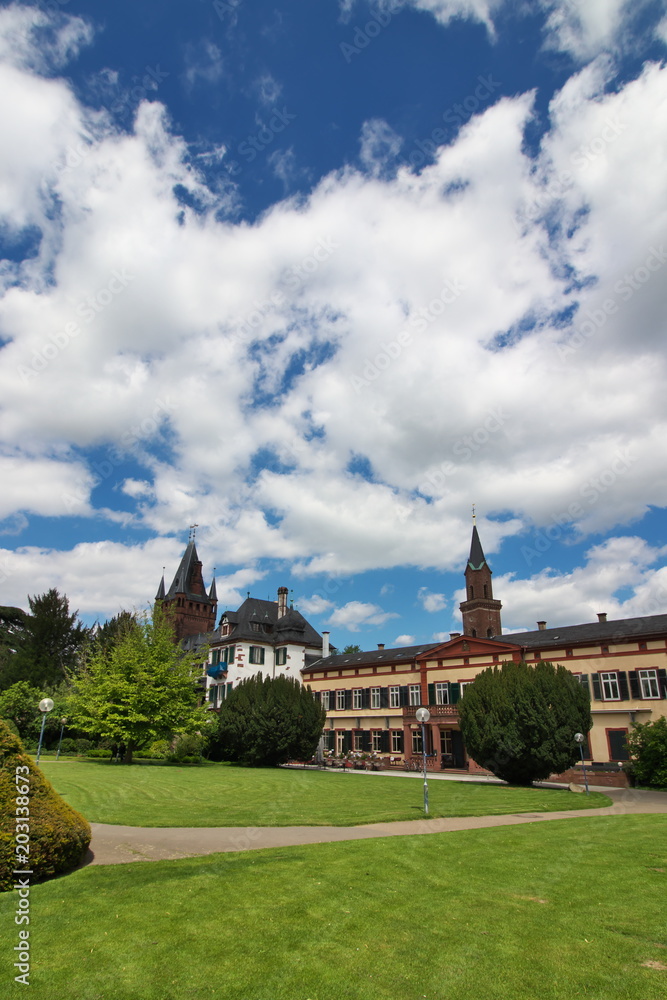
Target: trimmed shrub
[11, 726]
[58, 835]
[187, 749]
[99, 752]
[647, 744]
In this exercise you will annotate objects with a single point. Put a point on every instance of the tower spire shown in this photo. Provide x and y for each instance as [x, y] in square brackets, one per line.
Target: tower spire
[481, 613]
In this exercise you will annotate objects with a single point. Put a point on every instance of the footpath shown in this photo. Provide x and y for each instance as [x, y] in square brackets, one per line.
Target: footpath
[122, 844]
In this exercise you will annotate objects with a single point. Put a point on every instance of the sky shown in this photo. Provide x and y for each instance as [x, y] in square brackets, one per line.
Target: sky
[319, 276]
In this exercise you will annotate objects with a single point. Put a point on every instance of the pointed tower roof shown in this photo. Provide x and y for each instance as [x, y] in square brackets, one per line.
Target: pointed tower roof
[188, 579]
[477, 559]
[160, 591]
[213, 593]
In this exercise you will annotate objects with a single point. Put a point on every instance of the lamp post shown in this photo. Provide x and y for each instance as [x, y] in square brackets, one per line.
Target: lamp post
[423, 715]
[62, 730]
[45, 706]
[579, 737]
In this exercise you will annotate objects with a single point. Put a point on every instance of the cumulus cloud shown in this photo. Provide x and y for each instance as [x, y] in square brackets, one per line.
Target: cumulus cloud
[355, 614]
[430, 601]
[405, 640]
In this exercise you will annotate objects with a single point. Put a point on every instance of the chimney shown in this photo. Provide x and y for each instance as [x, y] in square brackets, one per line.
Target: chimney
[602, 616]
[380, 645]
[325, 644]
[541, 626]
[282, 601]
[454, 635]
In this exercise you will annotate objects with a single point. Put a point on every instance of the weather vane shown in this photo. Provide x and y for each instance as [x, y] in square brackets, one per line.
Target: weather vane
[474, 516]
[193, 529]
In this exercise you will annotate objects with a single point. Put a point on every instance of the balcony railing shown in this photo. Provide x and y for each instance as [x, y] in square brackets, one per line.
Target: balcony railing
[437, 711]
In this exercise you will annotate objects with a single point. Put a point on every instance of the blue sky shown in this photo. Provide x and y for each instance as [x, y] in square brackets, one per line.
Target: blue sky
[317, 277]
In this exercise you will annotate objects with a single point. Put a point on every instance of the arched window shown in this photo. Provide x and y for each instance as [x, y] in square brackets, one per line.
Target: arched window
[474, 633]
[472, 593]
[486, 590]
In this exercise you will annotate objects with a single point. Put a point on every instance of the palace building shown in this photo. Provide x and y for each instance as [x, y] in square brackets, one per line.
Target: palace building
[372, 697]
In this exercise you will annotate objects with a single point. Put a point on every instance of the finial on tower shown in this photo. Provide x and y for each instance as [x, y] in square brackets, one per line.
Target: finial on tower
[193, 531]
[474, 516]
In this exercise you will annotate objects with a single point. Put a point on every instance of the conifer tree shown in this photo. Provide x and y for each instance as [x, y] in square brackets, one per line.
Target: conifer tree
[519, 720]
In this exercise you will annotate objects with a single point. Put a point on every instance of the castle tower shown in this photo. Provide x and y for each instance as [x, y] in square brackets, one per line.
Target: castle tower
[192, 609]
[481, 614]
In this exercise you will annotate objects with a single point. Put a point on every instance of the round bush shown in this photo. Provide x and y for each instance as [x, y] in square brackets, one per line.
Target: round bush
[58, 835]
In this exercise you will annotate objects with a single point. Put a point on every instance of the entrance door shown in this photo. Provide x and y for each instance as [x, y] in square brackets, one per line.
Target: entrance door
[618, 748]
[457, 749]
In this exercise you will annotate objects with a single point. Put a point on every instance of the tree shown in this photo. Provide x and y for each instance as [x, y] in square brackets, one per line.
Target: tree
[20, 703]
[106, 635]
[267, 721]
[647, 745]
[50, 643]
[519, 720]
[141, 688]
[353, 648]
[13, 623]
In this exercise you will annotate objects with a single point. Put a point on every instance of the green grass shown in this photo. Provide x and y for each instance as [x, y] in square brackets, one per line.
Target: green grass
[546, 910]
[237, 796]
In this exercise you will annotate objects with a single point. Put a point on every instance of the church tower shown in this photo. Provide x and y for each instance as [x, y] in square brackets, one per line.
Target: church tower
[192, 609]
[481, 614]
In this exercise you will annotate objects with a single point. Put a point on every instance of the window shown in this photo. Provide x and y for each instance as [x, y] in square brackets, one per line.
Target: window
[416, 741]
[255, 627]
[375, 697]
[256, 654]
[213, 696]
[340, 742]
[648, 683]
[396, 741]
[357, 739]
[325, 700]
[356, 701]
[394, 697]
[340, 701]
[569, 652]
[464, 684]
[446, 742]
[610, 690]
[442, 693]
[376, 740]
[281, 656]
[227, 654]
[415, 694]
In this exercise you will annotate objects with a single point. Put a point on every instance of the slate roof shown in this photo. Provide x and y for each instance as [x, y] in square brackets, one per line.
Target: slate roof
[476, 559]
[589, 632]
[274, 631]
[187, 574]
[395, 655]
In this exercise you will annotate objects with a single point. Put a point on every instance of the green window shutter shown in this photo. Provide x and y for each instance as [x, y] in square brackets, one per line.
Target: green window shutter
[454, 693]
[662, 680]
[403, 691]
[635, 689]
[347, 741]
[348, 700]
[365, 697]
[366, 740]
[623, 685]
[597, 687]
[384, 697]
[583, 680]
[384, 742]
[431, 694]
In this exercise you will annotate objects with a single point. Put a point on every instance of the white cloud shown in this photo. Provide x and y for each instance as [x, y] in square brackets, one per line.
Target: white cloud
[315, 605]
[404, 640]
[355, 614]
[31, 39]
[430, 601]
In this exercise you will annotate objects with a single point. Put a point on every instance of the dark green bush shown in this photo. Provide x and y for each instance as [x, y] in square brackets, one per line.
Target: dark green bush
[100, 752]
[59, 836]
[187, 749]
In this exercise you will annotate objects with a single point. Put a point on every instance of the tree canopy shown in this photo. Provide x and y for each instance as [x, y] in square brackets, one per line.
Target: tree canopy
[140, 687]
[647, 744]
[267, 721]
[47, 643]
[519, 720]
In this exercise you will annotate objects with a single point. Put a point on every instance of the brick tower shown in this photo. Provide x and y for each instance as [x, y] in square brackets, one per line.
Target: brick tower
[192, 609]
[481, 614]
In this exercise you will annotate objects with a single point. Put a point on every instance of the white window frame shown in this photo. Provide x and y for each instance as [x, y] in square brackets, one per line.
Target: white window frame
[340, 701]
[324, 695]
[376, 740]
[417, 741]
[442, 693]
[396, 735]
[281, 656]
[463, 685]
[375, 697]
[340, 740]
[414, 694]
[609, 684]
[356, 699]
[395, 696]
[357, 739]
[649, 685]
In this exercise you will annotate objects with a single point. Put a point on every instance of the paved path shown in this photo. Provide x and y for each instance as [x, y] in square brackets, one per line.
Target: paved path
[121, 844]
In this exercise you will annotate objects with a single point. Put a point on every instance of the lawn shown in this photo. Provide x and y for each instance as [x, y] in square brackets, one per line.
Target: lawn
[238, 796]
[551, 910]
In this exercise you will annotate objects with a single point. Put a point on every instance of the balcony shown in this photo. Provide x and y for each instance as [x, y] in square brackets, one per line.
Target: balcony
[449, 712]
